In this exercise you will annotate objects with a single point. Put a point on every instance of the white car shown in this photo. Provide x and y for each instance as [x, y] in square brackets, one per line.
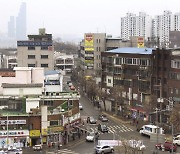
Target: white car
[37, 147]
[176, 140]
[80, 106]
[92, 136]
[104, 149]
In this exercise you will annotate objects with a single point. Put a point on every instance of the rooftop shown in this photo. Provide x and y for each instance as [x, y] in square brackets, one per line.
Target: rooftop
[51, 72]
[144, 51]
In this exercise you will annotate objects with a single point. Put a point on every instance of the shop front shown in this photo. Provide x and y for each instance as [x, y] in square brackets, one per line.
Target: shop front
[55, 135]
[15, 138]
[35, 137]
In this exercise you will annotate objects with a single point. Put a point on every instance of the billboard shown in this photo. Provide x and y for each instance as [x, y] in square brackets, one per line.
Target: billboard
[89, 42]
[140, 42]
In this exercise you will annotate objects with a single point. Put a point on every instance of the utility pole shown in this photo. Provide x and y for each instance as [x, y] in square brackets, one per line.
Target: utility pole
[172, 150]
[7, 131]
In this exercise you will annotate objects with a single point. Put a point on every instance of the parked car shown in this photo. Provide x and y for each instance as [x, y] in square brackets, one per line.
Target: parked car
[176, 140]
[166, 146]
[80, 106]
[104, 149]
[92, 136]
[103, 118]
[91, 120]
[37, 147]
[2, 152]
[103, 128]
[13, 150]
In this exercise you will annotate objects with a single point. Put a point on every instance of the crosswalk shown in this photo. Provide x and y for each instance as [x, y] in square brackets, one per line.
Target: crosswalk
[63, 151]
[115, 129]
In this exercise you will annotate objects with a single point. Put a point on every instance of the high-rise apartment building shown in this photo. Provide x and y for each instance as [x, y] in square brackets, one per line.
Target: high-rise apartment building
[162, 25]
[11, 27]
[37, 51]
[21, 23]
[133, 25]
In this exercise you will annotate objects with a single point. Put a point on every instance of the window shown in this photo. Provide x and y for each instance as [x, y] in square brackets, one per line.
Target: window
[31, 65]
[118, 61]
[53, 122]
[109, 80]
[44, 65]
[31, 56]
[44, 47]
[44, 56]
[31, 48]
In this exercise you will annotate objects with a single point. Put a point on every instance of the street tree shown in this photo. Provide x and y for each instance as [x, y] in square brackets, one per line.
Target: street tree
[175, 117]
[116, 95]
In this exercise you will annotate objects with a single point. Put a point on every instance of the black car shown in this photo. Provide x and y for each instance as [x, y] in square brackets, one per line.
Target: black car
[91, 120]
[103, 118]
[103, 128]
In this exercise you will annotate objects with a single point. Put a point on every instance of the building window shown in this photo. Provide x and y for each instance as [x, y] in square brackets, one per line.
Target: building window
[31, 48]
[44, 47]
[53, 122]
[31, 65]
[31, 56]
[44, 65]
[44, 56]
[109, 80]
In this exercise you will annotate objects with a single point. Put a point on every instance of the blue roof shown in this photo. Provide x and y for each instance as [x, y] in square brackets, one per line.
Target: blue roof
[52, 72]
[132, 50]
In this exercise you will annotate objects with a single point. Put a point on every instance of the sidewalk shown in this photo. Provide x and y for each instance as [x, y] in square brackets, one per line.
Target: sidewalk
[116, 118]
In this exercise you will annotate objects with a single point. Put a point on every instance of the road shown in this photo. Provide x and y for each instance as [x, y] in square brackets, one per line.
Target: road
[117, 130]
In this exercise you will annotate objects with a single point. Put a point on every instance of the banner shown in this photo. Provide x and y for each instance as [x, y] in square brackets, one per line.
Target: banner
[140, 42]
[12, 122]
[89, 43]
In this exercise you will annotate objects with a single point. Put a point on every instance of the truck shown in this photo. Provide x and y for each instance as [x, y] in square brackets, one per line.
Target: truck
[150, 129]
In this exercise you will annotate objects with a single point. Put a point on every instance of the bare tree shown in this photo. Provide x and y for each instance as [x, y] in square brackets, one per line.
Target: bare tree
[116, 94]
[175, 117]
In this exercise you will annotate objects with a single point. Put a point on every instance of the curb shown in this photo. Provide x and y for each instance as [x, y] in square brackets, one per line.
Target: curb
[70, 144]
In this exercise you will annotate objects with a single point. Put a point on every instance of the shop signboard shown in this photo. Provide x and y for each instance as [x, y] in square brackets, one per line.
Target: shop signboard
[44, 131]
[34, 133]
[55, 129]
[14, 133]
[13, 122]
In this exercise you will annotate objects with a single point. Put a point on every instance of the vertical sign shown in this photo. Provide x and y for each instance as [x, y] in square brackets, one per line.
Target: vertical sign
[140, 42]
[89, 43]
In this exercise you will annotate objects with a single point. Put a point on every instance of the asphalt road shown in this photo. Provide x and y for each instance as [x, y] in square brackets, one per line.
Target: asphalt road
[116, 131]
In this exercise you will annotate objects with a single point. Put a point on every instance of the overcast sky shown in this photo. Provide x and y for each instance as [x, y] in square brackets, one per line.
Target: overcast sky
[76, 17]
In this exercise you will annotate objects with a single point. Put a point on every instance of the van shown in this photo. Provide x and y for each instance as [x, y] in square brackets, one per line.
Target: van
[176, 140]
[150, 129]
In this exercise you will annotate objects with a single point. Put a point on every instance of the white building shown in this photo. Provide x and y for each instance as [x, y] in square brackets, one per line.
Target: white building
[162, 24]
[27, 82]
[133, 25]
[64, 62]
[53, 82]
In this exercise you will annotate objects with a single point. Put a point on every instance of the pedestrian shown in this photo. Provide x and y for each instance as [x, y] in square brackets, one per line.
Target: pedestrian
[59, 147]
[79, 135]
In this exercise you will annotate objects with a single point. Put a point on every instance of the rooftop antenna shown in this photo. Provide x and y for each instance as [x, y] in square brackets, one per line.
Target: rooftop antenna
[97, 29]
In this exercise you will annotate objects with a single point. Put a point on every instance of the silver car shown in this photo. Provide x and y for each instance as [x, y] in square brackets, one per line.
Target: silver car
[104, 149]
